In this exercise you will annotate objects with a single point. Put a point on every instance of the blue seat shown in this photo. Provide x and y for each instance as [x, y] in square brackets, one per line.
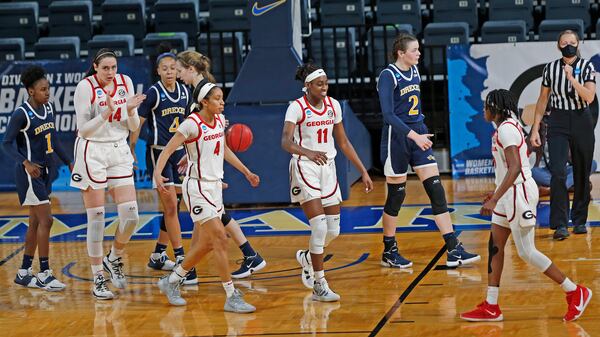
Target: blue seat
[225, 54]
[71, 18]
[562, 9]
[336, 53]
[436, 37]
[336, 13]
[549, 29]
[381, 44]
[42, 6]
[121, 44]
[456, 11]
[178, 42]
[503, 31]
[12, 49]
[125, 17]
[504, 10]
[58, 47]
[177, 16]
[400, 11]
[229, 15]
[19, 19]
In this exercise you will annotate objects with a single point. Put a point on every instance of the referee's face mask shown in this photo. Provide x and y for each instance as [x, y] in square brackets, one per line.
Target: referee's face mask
[569, 50]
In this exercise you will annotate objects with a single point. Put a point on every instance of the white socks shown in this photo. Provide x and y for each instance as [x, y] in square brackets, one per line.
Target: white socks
[492, 295]
[229, 288]
[115, 253]
[177, 274]
[319, 275]
[568, 285]
[96, 268]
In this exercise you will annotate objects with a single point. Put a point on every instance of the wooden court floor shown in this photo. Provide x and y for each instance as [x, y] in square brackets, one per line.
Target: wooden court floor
[422, 301]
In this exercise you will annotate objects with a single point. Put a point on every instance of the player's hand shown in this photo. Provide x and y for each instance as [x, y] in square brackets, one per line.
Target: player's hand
[110, 108]
[423, 141]
[182, 165]
[134, 102]
[253, 179]
[317, 156]
[33, 169]
[487, 197]
[568, 71]
[71, 167]
[488, 207]
[224, 185]
[366, 179]
[226, 123]
[160, 182]
[534, 138]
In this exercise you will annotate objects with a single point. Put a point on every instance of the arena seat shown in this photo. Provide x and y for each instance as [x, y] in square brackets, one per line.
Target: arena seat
[71, 18]
[336, 13]
[20, 19]
[177, 16]
[178, 41]
[382, 42]
[561, 9]
[329, 51]
[229, 15]
[456, 11]
[399, 11]
[436, 37]
[549, 29]
[503, 31]
[121, 44]
[57, 47]
[224, 52]
[125, 17]
[504, 10]
[12, 49]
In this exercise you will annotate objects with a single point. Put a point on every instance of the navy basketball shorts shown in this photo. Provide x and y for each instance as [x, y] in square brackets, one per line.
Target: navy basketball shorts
[399, 151]
[170, 170]
[33, 191]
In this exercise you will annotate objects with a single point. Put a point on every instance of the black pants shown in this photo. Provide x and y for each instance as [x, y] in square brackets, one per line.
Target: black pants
[570, 130]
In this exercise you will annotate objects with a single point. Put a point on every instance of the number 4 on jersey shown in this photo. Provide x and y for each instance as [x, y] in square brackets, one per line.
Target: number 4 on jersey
[116, 116]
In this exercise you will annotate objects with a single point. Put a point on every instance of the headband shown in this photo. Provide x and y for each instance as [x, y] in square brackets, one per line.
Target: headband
[315, 74]
[204, 90]
[163, 55]
[111, 53]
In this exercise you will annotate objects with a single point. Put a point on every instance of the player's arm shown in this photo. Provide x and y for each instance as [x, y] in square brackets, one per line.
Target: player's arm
[60, 150]
[86, 125]
[133, 102]
[587, 90]
[287, 143]
[175, 142]
[232, 159]
[18, 121]
[385, 89]
[540, 108]
[134, 136]
[342, 141]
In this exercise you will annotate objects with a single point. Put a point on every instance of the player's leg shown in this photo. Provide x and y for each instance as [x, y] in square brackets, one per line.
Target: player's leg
[489, 310]
[430, 177]
[394, 155]
[252, 261]
[25, 276]
[45, 278]
[172, 231]
[127, 210]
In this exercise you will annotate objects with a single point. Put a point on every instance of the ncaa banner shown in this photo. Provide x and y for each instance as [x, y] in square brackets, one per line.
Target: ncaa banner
[63, 76]
[475, 70]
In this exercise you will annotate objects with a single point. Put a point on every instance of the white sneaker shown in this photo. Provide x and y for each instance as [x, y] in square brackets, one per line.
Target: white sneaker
[308, 274]
[115, 270]
[26, 278]
[160, 261]
[100, 290]
[47, 281]
[322, 293]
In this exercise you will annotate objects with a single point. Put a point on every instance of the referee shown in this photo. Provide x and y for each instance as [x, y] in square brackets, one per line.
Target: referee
[570, 84]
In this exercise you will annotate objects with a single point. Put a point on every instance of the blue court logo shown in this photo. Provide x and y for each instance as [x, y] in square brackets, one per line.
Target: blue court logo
[258, 11]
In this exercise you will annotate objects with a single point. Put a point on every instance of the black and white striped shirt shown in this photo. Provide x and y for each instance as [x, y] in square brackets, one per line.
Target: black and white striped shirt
[563, 95]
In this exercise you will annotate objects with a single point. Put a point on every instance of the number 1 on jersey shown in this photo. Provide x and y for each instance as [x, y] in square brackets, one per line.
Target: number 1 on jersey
[322, 135]
[49, 143]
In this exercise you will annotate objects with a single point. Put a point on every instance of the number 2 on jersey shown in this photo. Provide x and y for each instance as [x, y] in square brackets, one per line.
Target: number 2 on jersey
[414, 99]
[49, 143]
[322, 135]
[116, 117]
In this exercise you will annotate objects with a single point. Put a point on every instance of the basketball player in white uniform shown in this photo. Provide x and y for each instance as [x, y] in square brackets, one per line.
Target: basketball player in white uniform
[311, 124]
[513, 209]
[106, 109]
[203, 134]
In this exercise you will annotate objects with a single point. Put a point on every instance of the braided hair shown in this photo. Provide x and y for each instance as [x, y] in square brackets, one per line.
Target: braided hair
[501, 102]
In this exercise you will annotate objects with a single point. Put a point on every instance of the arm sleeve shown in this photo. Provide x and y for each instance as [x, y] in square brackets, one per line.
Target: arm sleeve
[86, 124]
[133, 122]
[338, 110]
[385, 88]
[589, 73]
[17, 122]
[148, 104]
[293, 113]
[509, 135]
[189, 129]
[546, 76]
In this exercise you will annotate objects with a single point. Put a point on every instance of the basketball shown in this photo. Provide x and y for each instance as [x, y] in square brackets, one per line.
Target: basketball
[239, 137]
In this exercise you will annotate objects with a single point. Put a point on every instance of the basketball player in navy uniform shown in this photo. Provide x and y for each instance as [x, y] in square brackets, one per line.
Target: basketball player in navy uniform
[31, 140]
[163, 110]
[405, 140]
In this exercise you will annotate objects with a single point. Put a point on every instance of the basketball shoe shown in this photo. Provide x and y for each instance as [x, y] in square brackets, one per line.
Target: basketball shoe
[100, 290]
[191, 278]
[484, 312]
[393, 259]
[160, 261]
[47, 281]
[171, 290]
[26, 278]
[308, 274]
[322, 293]
[249, 265]
[459, 256]
[236, 303]
[577, 301]
[115, 270]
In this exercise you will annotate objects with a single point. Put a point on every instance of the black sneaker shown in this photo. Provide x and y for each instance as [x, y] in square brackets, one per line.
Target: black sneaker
[579, 229]
[560, 234]
[249, 265]
[191, 278]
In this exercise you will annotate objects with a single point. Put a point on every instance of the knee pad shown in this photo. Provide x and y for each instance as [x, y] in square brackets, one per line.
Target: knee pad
[163, 225]
[318, 232]
[437, 196]
[534, 257]
[395, 198]
[95, 231]
[225, 219]
[128, 220]
[333, 228]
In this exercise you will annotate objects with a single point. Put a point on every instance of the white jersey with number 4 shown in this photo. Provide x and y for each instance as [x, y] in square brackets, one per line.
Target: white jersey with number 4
[314, 127]
[205, 147]
[510, 133]
[90, 101]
